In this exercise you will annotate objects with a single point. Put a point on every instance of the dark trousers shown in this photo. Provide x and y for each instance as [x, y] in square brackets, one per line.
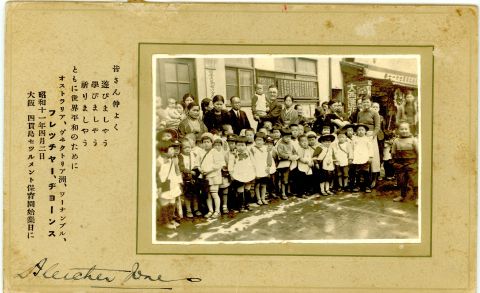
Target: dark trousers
[272, 185]
[407, 173]
[239, 197]
[362, 175]
[303, 183]
[389, 169]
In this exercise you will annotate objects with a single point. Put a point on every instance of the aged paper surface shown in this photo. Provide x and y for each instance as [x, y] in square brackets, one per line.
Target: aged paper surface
[100, 212]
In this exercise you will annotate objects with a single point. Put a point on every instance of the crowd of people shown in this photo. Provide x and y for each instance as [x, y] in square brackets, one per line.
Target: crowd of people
[211, 161]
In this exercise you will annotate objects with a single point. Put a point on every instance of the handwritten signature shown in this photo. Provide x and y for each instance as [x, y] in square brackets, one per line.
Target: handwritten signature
[93, 273]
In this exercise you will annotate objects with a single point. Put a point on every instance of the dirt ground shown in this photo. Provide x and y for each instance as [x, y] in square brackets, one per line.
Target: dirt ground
[342, 216]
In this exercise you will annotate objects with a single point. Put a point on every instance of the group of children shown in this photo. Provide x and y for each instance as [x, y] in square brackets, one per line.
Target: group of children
[222, 172]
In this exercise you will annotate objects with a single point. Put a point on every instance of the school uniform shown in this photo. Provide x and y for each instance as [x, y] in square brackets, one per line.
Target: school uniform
[260, 162]
[169, 179]
[343, 153]
[362, 153]
[285, 151]
[212, 164]
[305, 172]
[241, 167]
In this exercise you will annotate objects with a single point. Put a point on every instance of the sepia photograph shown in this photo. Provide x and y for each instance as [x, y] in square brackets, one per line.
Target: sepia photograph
[286, 148]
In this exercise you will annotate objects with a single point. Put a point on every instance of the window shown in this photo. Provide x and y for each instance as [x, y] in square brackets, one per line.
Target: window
[296, 65]
[175, 77]
[294, 76]
[239, 79]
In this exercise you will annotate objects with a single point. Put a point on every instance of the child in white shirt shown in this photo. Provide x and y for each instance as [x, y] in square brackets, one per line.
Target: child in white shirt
[362, 157]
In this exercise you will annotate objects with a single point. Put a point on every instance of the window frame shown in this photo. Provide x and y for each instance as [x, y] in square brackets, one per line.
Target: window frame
[238, 86]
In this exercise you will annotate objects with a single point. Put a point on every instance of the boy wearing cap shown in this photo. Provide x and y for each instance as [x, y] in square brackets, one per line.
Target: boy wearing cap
[287, 157]
[276, 134]
[342, 152]
[325, 162]
[168, 184]
[362, 157]
[240, 167]
[305, 164]
[262, 172]
[188, 163]
[210, 168]
[272, 167]
[313, 145]
[220, 144]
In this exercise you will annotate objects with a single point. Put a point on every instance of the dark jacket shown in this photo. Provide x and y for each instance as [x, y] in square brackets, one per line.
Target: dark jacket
[214, 121]
[238, 123]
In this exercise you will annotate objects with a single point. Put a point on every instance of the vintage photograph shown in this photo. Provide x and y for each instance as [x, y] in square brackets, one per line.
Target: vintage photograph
[275, 148]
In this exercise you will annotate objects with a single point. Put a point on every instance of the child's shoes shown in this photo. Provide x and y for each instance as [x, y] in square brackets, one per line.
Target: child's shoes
[398, 199]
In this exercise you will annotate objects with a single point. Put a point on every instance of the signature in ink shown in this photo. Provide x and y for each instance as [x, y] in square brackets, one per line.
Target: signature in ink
[51, 271]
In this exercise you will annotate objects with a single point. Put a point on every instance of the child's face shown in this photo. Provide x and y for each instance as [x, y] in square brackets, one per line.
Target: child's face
[294, 130]
[276, 134]
[218, 106]
[350, 132]
[171, 103]
[217, 146]
[269, 146]
[303, 142]
[259, 89]
[263, 130]
[186, 149]
[325, 130]
[259, 141]
[231, 145]
[300, 130]
[342, 138]
[166, 136]
[300, 110]
[404, 130]
[171, 152]
[327, 143]
[312, 141]
[207, 144]
[249, 135]
[241, 147]
[227, 129]
[179, 108]
[176, 151]
[268, 125]
[361, 131]
[287, 138]
[375, 107]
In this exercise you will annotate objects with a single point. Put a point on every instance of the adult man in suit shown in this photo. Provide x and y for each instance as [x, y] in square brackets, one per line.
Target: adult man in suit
[238, 118]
